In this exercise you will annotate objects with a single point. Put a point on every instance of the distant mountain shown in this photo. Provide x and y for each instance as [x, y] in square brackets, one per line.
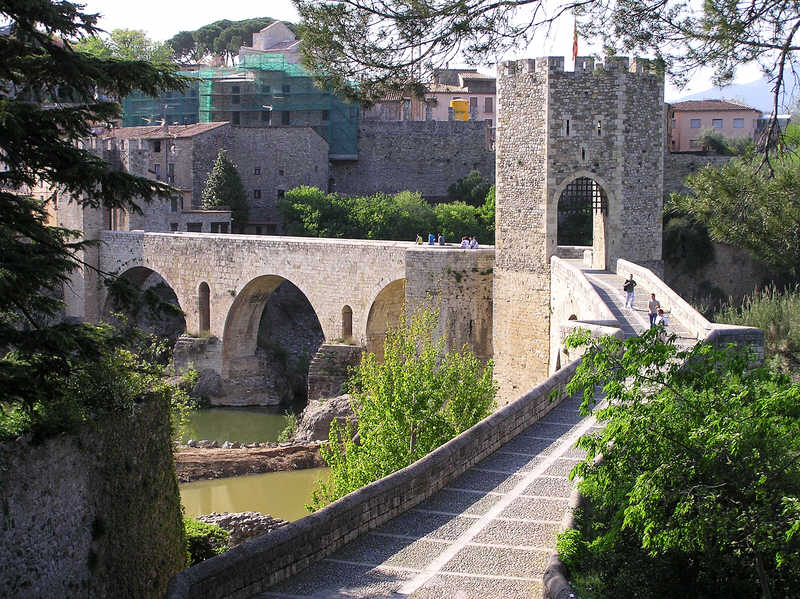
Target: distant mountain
[757, 94]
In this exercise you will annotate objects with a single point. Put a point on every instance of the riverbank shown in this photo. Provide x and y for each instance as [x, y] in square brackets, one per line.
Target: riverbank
[193, 463]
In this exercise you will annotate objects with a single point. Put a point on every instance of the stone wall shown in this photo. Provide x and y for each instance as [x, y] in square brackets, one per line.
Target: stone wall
[678, 166]
[330, 368]
[459, 281]
[254, 567]
[96, 514]
[423, 156]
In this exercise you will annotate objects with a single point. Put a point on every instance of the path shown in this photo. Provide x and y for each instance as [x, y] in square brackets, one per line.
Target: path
[490, 533]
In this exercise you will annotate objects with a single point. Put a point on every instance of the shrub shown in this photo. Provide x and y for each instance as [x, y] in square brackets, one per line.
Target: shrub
[289, 428]
[203, 541]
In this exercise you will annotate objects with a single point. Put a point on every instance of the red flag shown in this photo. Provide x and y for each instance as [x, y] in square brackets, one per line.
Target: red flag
[575, 41]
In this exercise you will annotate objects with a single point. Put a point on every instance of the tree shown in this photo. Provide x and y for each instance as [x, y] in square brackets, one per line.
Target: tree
[40, 355]
[748, 206]
[471, 189]
[700, 462]
[418, 398]
[366, 48]
[224, 188]
[457, 219]
[127, 44]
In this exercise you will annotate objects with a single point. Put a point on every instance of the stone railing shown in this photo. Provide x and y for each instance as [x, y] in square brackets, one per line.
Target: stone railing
[253, 567]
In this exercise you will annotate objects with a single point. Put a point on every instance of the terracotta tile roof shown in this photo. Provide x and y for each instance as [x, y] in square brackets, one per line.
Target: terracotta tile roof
[711, 105]
[175, 131]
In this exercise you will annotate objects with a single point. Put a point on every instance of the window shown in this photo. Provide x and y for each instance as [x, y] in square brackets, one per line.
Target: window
[265, 89]
[235, 98]
[256, 194]
[673, 123]
[694, 123]
[272, 228]
[219, 227]
[266, 116]
[157, 171]
[738, 123]
[693, 143]
[286, 118]
[280, 172]
[259, 230]
[173, 207]
[281, 193]
[287, 89]
[257, 170]
[599, 128]
[488, 105]
[235, 118]
[171, 173]
[194, 227]
[489, 123]
[325, 114]
[173, 227]
[716, 123]
[566, 127]
[473, 104]
[156, 145]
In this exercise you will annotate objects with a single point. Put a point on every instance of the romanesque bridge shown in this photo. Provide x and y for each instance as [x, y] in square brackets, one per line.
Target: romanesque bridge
[356, 288]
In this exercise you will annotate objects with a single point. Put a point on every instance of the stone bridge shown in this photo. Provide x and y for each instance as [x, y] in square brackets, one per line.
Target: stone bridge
[356, 288]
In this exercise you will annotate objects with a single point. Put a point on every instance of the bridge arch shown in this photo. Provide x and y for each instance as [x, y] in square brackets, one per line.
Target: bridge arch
[582, 201]
[384, 312]
[271, 332]
[162, 323]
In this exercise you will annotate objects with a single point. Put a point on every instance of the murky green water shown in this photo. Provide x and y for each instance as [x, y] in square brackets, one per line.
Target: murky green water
[241, 425]
[279, 494]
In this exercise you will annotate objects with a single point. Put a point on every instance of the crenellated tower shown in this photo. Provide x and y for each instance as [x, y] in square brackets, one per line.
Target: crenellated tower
[575, 144]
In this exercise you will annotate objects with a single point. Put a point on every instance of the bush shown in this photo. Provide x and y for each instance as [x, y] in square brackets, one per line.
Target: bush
[418, 398]
[203, 541]
[289, 427]
[471, 190]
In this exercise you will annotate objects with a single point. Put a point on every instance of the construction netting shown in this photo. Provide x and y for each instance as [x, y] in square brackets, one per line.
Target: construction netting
[263, 90]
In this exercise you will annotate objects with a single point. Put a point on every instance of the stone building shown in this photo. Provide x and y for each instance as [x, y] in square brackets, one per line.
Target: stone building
[590, 136]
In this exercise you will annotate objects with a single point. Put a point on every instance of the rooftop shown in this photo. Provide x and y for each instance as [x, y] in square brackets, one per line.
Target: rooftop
[711, 105]
[156, 131]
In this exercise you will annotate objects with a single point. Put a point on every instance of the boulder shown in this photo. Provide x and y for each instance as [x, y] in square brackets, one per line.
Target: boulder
[315, 422]
[243, 526]
[209, 384]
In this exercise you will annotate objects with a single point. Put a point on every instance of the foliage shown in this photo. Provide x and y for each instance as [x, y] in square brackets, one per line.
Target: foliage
[746, 205]
[42, 358]
[777, 313]
[203, 541]
[699, 466]
[290, 427]
[224, 188]
[308, 211]
[686, 242]
[471, 189]
[418, 398]
[126, 44]
[221, 39]
[725, 146]
[366, 48]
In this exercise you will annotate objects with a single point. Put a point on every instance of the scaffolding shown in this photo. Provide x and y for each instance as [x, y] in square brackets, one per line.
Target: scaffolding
[181, 107]
[263, 90]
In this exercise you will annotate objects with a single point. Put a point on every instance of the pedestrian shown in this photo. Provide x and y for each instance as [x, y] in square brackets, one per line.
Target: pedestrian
[441, 238]
[431, 238]
[473, 243]
[652, 309]
[419, 239]
[628, 287]
[464, 243]
[663, 321]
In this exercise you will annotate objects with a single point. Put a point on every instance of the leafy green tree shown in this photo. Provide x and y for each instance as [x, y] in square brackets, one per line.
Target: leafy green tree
[127, 44]
[711, 139]
[700, 462]
[400, 216]
[418, 398]
[486, 217]
[745, 205]
[308, 211]
[471, 189]
[224, 188]
[457, 219]
[40, 354]
[365, 48]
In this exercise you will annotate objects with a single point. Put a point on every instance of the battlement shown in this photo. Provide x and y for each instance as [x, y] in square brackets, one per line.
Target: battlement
[584, 65]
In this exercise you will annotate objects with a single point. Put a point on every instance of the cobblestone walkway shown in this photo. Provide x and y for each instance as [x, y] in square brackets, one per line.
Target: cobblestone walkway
[490, 533]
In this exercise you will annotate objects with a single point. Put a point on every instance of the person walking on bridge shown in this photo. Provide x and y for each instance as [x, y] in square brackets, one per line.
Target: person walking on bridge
[628, 288]
[652, 309]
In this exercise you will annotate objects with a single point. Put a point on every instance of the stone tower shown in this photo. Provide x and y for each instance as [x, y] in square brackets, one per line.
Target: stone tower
[595, 135]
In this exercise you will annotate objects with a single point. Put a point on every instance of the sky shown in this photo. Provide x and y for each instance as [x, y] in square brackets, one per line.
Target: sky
[161, 19]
